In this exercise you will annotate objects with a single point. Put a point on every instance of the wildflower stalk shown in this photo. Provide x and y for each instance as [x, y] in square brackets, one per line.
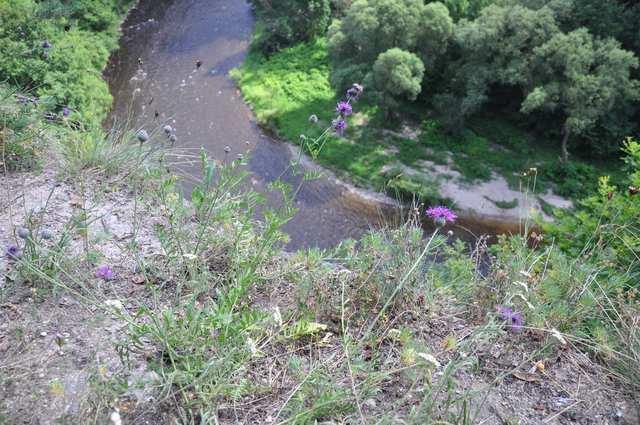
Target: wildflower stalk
[400, 286]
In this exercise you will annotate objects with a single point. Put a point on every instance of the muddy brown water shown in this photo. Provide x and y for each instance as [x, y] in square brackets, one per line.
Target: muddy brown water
[154, 71]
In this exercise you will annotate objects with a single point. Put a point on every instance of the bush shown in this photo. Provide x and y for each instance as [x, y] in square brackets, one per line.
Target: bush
[397, 75]
[608, 221]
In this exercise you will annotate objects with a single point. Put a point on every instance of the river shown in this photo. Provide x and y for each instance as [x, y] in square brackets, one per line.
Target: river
[154, 71]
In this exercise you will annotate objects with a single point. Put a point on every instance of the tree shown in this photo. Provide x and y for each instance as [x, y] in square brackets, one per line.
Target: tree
[286, 22]
[467, 9]
[582, 78]
[434, 32]
[371, 27]
[497, 49]
[397, 75]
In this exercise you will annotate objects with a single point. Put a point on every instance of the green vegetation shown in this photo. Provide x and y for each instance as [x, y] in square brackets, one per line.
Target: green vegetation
[286, 22]
[463, 125]
[56, 50]
[397, 75]
[22, 132]
[403, 326]
[336, 335]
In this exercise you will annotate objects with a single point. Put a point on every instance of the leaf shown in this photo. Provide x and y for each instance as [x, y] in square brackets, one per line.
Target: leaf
[303, 328]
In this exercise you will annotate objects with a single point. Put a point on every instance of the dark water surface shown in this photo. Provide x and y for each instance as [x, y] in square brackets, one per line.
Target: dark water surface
[154, 70]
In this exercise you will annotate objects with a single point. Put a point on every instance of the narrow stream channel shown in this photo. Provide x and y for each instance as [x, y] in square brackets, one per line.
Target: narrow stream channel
[162, 41]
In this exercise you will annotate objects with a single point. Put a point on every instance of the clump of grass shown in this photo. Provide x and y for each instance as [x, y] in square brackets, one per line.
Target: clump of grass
[116, 152]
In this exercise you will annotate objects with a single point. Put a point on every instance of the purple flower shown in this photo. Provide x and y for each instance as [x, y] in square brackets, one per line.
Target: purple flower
[344, 109]
[104, 272]
[66, 111]
[339, 125]
[12, 252]
[441, 215]
[514, 319]
[355, 91]
[46, 44]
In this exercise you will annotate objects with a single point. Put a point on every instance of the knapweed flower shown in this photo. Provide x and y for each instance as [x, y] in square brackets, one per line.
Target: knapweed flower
[313, 118]
[441, 215]
[66, 111]
[46, 44]
[355, 91]
[513, 319]
[23, 233]
[12, 252]
[142, 136]
[339, 125]
[104, 272]
[344, 109]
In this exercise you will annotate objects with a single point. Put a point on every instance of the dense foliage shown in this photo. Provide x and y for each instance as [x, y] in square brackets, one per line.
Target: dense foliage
[397, 75]
[542, 60]
[286, 22]
[606, 223]
[56, 49]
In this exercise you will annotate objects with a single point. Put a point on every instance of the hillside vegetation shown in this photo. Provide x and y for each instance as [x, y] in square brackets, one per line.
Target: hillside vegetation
[123, 302]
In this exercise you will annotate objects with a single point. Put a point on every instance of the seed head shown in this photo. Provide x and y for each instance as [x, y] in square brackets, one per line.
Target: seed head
[339, 125]
[142, 136]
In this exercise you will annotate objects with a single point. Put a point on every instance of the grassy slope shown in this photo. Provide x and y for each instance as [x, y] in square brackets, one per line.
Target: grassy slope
[286, 88]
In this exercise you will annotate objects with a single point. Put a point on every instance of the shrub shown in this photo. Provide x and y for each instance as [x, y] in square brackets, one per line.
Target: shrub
[22, 132]
[607, 221]
[397, 75]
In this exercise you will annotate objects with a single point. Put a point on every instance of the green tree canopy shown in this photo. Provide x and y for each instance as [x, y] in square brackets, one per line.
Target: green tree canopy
[497, 48]
[286, 22]
[582, 78]
[397, 75]
[371, 27]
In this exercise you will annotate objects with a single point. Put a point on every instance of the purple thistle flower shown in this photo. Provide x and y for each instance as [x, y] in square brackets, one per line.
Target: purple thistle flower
[441, 215]
[344, 109]
[46, 44]
[514, 319]
[339, 125]
[66, 111]
[104, 272]
[12, 252]
[355, 91]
